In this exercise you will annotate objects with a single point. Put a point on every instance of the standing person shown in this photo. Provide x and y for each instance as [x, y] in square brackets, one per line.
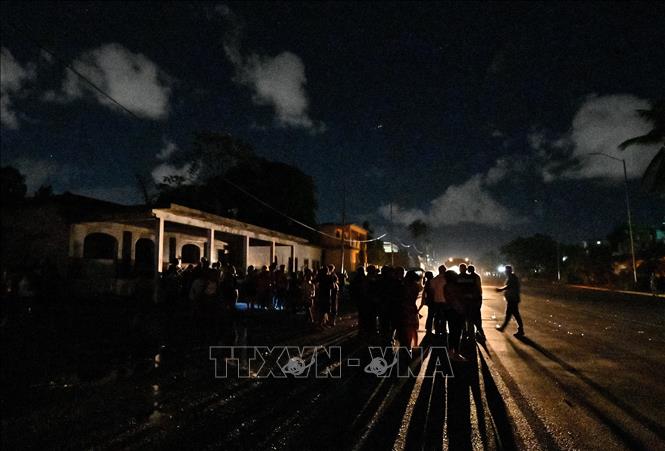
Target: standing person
[396, 299]
[281, 286]
[467, 287]
[229, 287]
[373, 297]
[476, 304]
[308, 291]
[511, 291]
[358, 293]
[436, 302]
[250, 286]
[427, 296]
[407, 325]
[334, 294]
[385, 292]
[264, 288]
[455, 315]
[324, 288]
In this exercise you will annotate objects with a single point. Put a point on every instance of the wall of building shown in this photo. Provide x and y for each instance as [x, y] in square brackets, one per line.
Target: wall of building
[260, 255]
[116, 230]
[309, 256]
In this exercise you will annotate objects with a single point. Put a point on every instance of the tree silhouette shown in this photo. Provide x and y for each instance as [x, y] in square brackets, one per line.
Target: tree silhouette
[12, 184]
[653, 179]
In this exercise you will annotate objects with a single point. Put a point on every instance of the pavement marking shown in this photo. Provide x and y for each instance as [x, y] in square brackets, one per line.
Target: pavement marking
[638, 293]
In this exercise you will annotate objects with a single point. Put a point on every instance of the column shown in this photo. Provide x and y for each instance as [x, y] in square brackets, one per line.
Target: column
[159, 246]
[211, 245]
[293, 258]
[272, 252]
[244, 252]
[159, 257]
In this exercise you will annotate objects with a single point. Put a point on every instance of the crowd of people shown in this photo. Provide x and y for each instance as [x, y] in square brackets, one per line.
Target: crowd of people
[213, 290]
[388, 299]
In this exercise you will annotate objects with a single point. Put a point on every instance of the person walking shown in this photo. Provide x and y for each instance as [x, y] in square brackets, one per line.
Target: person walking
[511, 291]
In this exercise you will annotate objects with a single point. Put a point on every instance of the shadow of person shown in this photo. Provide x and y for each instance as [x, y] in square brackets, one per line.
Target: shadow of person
[459, 403]
[501, 424]
[628, 409]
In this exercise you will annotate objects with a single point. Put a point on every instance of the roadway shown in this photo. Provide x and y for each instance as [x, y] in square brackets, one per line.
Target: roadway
[586, 376]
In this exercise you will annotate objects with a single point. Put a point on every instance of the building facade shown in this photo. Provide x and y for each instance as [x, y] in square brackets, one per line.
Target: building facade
[355, 245]
[104, 247]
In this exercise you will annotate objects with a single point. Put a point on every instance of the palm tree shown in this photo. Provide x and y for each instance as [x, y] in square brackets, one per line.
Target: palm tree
[653, 180]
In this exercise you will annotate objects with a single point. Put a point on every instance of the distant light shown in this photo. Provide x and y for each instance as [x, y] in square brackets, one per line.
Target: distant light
[501, 268]
[466, 259]
[598, 243]
[450, 259]
[565, 257]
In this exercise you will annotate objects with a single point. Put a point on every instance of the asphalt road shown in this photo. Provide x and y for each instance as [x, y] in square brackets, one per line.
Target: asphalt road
[589, 373]
[587, 376]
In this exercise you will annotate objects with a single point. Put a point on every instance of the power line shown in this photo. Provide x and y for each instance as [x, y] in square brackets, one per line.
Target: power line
[262, 202]
[128, 111]
[76, 72]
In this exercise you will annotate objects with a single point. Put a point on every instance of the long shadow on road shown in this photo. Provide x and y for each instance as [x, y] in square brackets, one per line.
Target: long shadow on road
[618, 429]
[443, 417]
[628, 409]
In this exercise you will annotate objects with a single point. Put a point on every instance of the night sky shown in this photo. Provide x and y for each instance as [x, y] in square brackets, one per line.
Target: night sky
[474, 117]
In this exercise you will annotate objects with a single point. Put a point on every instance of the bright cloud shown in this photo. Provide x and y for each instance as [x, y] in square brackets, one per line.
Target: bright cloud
[13, 77]
[599, 126]
[167, 151]
[277, 81]
[130, 78]
[469, 202]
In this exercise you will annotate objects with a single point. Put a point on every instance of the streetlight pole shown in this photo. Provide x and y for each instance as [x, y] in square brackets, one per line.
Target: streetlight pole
[630, 221]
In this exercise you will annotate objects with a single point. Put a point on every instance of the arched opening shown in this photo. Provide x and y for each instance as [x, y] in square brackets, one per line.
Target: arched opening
[144, 259]
[191, 253]
[100, 246]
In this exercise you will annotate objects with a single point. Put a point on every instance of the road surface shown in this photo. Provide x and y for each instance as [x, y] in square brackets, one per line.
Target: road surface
[587, 376]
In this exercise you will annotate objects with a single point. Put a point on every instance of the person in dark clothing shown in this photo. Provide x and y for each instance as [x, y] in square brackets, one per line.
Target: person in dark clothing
[334, 294]
[427, 299]
[476, 304]
[280, 287]
[324, 288]
[511, 291]
[408, 321]
[455, 314]
[358, 293]
[467, 289]
[373, 297]
[385, 295]
[396, 293]
[229, 288]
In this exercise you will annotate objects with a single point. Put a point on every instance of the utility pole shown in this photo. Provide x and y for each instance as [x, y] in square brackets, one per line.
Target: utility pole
[630, 221]
[392, 249]
[558, 263]
[343, 225]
